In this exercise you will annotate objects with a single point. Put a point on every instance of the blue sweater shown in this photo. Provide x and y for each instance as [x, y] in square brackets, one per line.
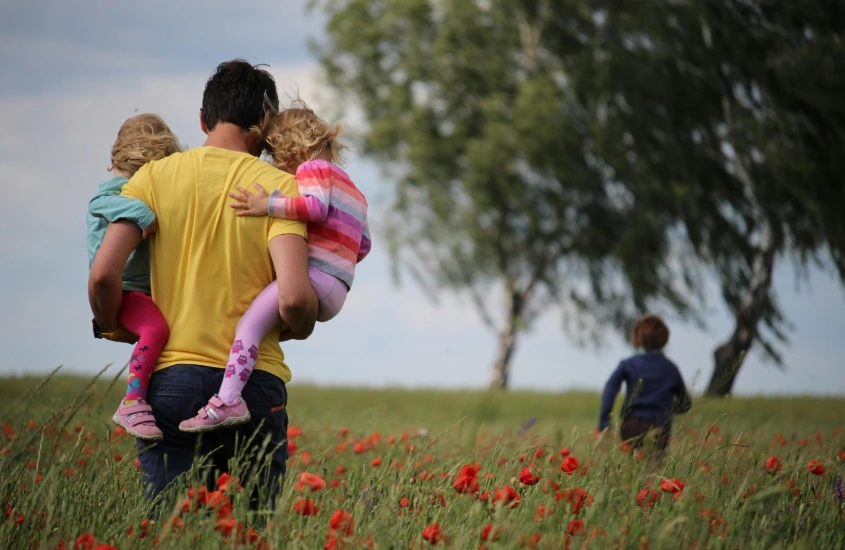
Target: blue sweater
[654, 389]
[108, 206]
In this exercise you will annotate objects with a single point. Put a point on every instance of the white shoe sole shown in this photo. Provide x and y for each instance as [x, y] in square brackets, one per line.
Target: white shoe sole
[117, 420]
[228, 423]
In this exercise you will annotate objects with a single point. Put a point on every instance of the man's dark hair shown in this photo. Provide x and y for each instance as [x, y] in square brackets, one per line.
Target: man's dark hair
[239, 93]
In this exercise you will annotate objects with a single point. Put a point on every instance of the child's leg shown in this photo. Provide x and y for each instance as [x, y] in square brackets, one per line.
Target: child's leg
[261, 316]
[331, 292]
[141, 316]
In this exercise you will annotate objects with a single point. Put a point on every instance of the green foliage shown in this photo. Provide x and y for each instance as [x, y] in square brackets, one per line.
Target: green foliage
[595, 156]
[718, 450]
[474, 109]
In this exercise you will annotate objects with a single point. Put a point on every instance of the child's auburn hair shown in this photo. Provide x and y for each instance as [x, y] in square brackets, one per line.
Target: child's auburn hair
[141, 139]
[297, 135]
[650, 333]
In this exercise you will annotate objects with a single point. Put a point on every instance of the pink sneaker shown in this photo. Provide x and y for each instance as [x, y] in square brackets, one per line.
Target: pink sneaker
[138, 421]
[217, 414]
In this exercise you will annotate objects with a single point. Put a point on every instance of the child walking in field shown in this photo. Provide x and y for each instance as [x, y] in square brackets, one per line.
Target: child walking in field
[141, 139]
[654, 388]
[300, 143]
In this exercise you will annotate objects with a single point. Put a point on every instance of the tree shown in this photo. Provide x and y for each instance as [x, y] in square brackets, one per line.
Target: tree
[498, 191]
[596, 156]
[759, 99]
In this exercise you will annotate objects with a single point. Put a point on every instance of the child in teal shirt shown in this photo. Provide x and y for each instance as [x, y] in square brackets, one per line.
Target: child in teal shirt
[141, 139]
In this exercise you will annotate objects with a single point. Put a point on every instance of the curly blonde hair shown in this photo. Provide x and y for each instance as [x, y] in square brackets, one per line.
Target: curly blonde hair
[297, 135]
[141, 139]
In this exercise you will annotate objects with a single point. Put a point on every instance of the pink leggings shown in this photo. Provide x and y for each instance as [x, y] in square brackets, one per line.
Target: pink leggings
[139, 315]
[262, 316]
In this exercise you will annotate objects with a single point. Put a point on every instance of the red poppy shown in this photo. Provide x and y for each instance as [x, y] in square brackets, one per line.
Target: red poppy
[564, 452]
[118, 432]
[342, 522]
[358, 448]
[466, 480]
[294, 431]
[542, 512]
[484, 496]
[432, 533]
[646, 498]
[487, 533]
[576, 498]
[625, 447]
[569, 465]
[507, 495]
[576, 527]
[311, 481]
[527, 478]
[305, 507]
[344, 432]
[773, 465]
[225, 525]
[340, 469]
[105, 547]
[85, 542]
[672, 485]
[815, 467]
[292, 447]
[841, 456]
[225, 480]
[376, 462]
[538, 454]
[216, 500]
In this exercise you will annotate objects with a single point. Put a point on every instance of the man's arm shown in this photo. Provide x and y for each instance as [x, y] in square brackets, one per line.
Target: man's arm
[105, 281]
[297, 300]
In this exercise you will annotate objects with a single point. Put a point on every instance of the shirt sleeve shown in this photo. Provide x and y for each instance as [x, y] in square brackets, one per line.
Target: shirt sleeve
[366, 242]
[286, 184]
[611, 390]
[315, 181]
[110, 205]
[683, 401]
[138, 187]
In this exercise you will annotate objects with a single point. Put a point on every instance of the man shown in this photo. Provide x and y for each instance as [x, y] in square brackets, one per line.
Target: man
[207, 265]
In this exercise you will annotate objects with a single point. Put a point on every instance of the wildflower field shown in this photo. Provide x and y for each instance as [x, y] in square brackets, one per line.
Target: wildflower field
[415, 469]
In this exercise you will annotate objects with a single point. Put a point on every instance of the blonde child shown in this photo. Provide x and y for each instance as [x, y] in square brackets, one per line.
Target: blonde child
[141, 139]
[301, 143]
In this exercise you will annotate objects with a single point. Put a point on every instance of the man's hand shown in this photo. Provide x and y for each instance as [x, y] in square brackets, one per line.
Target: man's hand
[251, 204]
[120, 335]
[151, 230]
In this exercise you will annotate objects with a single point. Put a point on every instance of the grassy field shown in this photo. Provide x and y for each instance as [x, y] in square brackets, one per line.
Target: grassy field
[390, 459]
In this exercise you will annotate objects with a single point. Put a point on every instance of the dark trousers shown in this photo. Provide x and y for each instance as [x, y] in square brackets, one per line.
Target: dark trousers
[635, 429]
[177, 393]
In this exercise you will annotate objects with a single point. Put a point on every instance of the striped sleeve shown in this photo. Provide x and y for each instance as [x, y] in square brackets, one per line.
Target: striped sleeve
[315, 182]
[366, 243]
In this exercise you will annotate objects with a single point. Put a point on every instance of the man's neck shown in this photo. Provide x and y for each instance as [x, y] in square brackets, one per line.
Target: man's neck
[226, 135]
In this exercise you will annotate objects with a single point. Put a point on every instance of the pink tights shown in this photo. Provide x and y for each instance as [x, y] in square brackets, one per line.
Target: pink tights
[139, 315]
[262, 316]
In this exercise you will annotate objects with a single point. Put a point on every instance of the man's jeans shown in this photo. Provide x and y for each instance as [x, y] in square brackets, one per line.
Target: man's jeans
[178, 392]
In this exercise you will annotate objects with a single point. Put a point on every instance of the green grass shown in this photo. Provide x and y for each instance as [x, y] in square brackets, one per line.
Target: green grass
[58, 482]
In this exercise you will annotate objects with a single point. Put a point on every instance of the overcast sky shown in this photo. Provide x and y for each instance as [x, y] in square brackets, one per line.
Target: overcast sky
[69, 77]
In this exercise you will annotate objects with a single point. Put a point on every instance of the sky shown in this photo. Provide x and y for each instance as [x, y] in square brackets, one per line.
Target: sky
[69, 77]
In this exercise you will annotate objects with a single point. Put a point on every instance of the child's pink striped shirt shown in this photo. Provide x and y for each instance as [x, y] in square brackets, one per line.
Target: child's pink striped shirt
[336, 212]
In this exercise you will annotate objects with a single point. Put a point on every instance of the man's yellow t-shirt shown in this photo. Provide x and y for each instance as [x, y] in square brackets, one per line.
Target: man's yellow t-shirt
[207, 264]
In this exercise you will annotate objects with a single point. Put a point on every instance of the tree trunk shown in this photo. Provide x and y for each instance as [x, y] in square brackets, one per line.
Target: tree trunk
[729, 356]
[507, 342]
